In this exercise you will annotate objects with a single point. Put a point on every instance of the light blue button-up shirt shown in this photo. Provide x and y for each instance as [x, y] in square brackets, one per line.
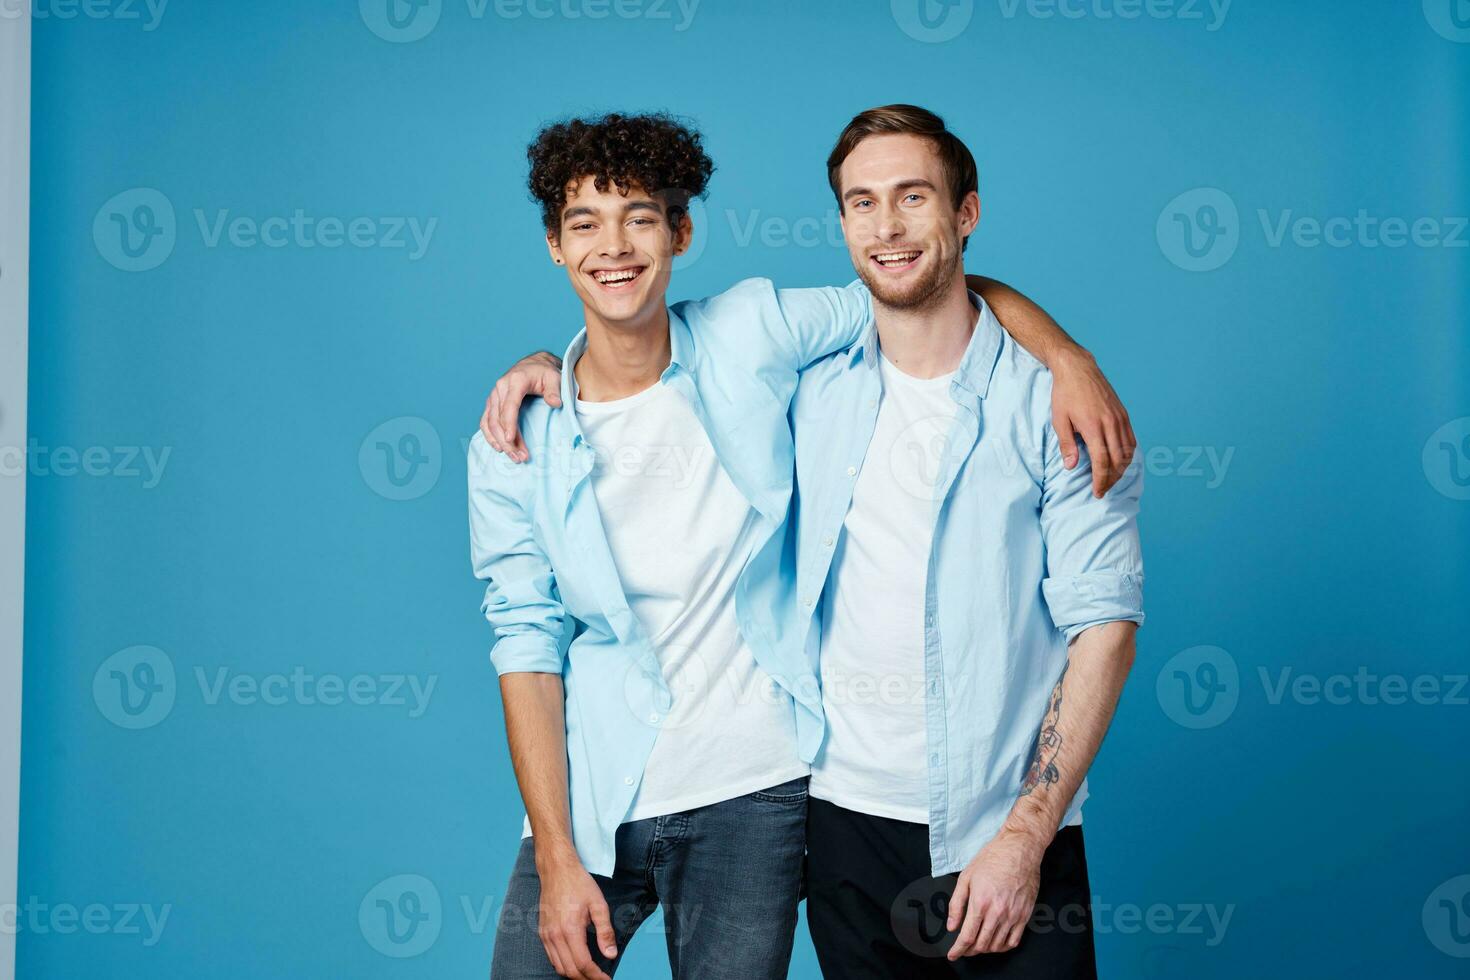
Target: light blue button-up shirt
[536, 537]
[1023, 559]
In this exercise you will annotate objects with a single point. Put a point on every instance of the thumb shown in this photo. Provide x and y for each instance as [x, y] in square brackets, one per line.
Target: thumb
[607, 940]
[550, 389]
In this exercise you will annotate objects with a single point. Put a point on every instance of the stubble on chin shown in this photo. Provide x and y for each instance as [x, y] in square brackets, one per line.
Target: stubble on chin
[926, 291]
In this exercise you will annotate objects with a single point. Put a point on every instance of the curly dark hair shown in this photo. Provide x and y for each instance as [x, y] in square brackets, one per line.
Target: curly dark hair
[653, 151]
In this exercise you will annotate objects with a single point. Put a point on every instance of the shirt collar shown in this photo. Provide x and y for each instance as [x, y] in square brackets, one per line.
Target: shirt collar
[681, 352]
[981, 355]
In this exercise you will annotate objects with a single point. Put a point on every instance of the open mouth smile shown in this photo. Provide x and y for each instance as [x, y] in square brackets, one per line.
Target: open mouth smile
[897, 261]
[615, 280]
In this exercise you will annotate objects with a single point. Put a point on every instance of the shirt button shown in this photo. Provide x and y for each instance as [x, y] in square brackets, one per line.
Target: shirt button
[807, 601]
[628, 780]
[827, 541]
[852, 471]
[928, 620]
[872, 403]
[653, 718]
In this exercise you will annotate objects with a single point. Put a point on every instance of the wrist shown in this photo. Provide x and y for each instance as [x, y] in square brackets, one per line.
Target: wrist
[1030, 836]
[1068, 356]
[555, 856]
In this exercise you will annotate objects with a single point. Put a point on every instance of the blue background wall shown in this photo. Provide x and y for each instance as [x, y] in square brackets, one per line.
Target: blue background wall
[1303, 411]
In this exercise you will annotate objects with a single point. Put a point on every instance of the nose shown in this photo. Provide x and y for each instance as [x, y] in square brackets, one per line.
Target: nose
[614, 242]
[891, 225]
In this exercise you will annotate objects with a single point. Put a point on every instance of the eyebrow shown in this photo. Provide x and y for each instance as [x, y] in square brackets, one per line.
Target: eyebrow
[902, 185]
[584, 211]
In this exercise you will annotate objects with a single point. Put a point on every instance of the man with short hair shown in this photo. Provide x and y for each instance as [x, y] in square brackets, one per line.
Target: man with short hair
[663, 757]
[977, 602]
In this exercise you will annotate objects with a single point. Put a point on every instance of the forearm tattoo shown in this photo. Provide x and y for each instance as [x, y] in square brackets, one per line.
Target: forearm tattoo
[1043, 771]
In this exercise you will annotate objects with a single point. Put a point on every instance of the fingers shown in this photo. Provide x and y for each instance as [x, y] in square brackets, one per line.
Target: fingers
[493, 433]
[1102, 461]
[583, 965]
[487, 419]
[957, 903]
[974, 919]
[607, 940]
[1014, 939]
[512, 395]
[995, 924]
[566, 945]
[1067, 439]
[551, 939]
[1119, 454]
[1127, 441]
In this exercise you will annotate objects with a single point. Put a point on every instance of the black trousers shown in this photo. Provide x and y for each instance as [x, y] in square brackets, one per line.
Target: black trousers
[875, 912]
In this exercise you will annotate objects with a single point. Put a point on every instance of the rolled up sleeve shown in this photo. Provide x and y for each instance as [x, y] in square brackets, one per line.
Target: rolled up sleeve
[521, 602]
[1094, 565]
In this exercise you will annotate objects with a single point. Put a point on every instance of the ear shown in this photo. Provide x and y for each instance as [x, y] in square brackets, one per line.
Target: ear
[969, 214]
[683, 232]
[553, 246]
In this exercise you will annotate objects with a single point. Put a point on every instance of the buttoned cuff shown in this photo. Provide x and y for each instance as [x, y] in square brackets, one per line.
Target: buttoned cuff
[1081, 602]
[527, 653]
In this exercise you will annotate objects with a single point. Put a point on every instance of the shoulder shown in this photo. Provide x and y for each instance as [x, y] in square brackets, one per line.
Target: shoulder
[490, 469]
[745, 296]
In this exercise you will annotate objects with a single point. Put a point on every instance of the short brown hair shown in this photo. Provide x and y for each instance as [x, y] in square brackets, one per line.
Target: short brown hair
[954, 155]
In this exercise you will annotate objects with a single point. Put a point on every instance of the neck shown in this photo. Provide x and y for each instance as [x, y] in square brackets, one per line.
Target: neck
[928, 341]
[622, 359]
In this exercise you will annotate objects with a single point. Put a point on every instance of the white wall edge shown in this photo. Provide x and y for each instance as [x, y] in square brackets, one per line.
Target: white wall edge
[15, 191]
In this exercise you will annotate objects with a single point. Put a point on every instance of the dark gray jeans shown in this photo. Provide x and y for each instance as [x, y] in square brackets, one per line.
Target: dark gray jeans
[727, 875]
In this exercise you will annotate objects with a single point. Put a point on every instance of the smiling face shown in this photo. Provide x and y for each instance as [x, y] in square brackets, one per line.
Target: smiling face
[619, 249]
[903, 231]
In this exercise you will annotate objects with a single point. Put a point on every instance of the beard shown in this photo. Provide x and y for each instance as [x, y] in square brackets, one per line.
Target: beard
[927, 290]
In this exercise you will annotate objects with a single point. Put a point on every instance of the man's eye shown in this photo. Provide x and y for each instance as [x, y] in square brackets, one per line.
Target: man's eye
[642, 221]
[913, 197]
[863, 203]
[582, 227]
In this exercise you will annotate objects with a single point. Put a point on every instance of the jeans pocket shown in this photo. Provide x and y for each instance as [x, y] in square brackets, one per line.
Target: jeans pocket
[792, 791]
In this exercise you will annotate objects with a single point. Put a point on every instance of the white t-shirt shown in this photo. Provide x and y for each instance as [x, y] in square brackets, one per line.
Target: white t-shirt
[872, 655]
[680, 534]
